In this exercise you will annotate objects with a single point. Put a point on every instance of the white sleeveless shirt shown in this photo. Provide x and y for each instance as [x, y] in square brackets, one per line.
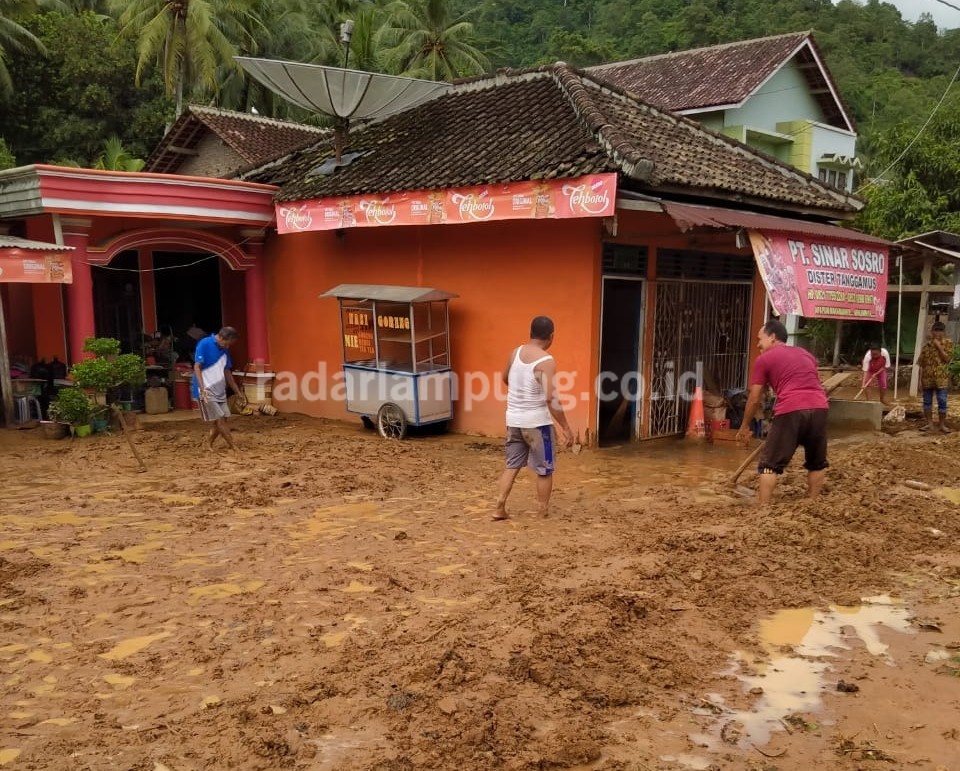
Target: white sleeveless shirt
[526, 401]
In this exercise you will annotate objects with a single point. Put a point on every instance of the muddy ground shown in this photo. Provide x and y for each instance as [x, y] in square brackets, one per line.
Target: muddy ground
[325, 599]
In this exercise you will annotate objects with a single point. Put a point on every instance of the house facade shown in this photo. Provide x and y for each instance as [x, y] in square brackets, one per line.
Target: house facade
[538, 192]
[774, 94]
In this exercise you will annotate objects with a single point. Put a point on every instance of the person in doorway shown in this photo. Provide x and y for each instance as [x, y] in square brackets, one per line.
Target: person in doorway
[800, 413]
[212, 373]
[532, 407]
[934, 375]
[876, 362]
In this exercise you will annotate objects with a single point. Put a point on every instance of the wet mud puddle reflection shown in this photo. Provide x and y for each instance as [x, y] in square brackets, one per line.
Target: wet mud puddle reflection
[799, 643]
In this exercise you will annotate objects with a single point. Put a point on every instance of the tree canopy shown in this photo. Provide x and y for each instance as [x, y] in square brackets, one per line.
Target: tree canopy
[73, 72]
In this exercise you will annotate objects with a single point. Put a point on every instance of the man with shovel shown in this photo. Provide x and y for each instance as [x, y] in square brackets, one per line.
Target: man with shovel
[532, 407]
[800, 413]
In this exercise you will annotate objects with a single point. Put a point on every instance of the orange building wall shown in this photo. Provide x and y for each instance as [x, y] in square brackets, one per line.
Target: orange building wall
[505, 273]
[48, 303]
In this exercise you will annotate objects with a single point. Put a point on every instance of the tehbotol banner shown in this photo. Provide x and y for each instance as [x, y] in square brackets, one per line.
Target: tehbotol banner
[822, 278]
[589, 196]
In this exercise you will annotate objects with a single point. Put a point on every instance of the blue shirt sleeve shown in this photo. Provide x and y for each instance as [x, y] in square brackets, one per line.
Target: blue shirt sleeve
[207, 352]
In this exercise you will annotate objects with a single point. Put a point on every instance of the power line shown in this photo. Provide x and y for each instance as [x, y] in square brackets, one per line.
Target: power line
[949, 5]
[926, 123]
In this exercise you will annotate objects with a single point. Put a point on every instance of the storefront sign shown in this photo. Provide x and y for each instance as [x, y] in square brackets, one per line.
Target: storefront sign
[21, 266]
[822, 278]
[590, 196]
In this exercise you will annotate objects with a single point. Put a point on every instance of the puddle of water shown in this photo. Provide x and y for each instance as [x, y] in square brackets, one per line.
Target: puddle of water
[133, 645]
[222, 591]
[447, 602]
[447, 570]
[356, 587]
[952, 494]
[338, 746]
[333, 639]
[65, 518]
[137, 554]
[794, 683]
[119, 681]
[689, 761]
[58, 721]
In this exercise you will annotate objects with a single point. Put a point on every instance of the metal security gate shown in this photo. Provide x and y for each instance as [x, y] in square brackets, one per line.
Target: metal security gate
[701, 332]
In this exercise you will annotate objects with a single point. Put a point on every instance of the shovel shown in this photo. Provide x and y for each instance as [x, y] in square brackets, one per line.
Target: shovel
[865, 386]
[740, 489]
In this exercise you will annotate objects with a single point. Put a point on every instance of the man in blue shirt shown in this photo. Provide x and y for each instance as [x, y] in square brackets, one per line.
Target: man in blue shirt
[212, 373]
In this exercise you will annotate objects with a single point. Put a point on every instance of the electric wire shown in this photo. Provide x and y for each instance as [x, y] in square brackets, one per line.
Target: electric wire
[879, 177]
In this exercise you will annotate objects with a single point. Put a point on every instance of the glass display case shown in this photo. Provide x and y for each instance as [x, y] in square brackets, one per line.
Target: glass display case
[396, 354]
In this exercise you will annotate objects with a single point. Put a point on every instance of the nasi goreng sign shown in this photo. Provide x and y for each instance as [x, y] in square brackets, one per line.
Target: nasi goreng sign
[593, 195]
[23, 266]
[821, 277]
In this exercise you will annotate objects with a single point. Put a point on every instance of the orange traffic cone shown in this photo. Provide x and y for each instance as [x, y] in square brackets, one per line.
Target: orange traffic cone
[697, 425]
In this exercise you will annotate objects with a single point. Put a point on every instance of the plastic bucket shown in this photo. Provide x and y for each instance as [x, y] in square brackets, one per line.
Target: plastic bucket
[258, 386]
[181, 394]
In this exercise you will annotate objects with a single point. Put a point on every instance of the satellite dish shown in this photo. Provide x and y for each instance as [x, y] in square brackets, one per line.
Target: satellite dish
[341, 92]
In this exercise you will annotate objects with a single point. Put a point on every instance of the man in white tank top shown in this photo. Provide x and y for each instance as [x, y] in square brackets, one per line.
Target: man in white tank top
[532, 407]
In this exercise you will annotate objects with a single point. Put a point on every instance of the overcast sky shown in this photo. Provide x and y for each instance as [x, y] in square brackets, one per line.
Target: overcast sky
[944, 16]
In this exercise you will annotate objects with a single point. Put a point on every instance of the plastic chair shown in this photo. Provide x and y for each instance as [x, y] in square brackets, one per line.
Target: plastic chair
[23, 406]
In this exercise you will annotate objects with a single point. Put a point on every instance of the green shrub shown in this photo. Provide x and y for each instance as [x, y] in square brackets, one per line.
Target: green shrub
[109, 368]
[72, 406]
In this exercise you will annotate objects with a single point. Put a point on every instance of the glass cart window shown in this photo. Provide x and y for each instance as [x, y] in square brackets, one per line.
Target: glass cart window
[395, 336]
[358, 345]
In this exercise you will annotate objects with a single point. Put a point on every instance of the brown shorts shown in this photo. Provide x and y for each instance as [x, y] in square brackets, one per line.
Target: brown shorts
[531, 447]
[801, 428]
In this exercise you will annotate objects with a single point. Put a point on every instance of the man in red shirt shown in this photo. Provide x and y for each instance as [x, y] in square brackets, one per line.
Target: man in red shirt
[800, 414]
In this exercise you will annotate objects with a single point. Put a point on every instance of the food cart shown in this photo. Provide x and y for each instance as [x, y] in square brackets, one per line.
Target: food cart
[396, 355]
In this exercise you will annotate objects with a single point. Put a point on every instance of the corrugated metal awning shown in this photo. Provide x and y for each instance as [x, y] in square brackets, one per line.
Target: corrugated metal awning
[688, 216]
[12, 242]
[388, 293]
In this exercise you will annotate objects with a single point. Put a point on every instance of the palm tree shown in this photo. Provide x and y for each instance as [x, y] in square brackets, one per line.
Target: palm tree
[115, 157]
[294, 33]
[14, 38]
[425, 41]
[189, 38]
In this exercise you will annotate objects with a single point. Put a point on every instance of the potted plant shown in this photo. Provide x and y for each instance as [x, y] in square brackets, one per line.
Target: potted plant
[109, 376]
[73, 406]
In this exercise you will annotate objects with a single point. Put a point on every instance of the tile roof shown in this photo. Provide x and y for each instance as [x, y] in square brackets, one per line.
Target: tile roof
[254, 138]
[725, 74]
[552, 122]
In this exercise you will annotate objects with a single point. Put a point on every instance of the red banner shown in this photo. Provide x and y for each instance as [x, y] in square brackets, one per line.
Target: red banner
[822, 278]
[590, 196]
[22, 266]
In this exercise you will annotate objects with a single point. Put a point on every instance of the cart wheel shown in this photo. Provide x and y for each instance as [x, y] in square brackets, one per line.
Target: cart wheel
[391, 422]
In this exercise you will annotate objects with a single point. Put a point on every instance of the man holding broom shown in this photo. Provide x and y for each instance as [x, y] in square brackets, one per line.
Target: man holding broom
[799, 416]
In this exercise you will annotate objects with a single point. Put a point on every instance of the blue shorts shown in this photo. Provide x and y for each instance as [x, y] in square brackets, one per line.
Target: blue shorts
[533, 447]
